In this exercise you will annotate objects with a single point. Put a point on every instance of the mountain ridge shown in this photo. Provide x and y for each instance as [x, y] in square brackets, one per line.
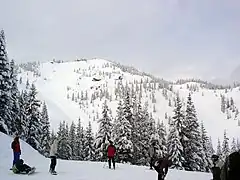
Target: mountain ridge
[61, 85]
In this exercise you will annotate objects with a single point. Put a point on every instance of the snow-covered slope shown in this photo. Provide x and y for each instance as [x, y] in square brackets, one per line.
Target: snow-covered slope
[77, 170]
[65, 85]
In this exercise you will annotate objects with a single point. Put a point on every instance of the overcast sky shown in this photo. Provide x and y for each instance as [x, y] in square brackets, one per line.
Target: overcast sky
[166, 37]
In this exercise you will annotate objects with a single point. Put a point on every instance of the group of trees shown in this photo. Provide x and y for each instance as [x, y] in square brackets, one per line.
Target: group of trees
[21, 113]
[75, 142]
[228, 107]
[133, 129]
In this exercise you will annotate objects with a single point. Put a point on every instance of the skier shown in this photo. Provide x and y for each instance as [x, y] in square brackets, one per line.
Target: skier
[20, 167]
[111, 150]
[161, 165]
[217, 165]
[16, 150]
[53, 156]
[231, 167]
[152, 154]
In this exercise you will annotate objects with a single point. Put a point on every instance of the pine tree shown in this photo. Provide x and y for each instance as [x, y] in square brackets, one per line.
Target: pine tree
[89, 149]
[175, 148]
[207, 148]
[80, 141]
[211, 149]
[219, 148]
[33, 129]
[123, 132]
[14, 100]
[64, 149]
[45, 132]
[233, 146]
[238, 145]
[192, 142]
[141, 127]
[161, 131]
[104, 133]
[223, 104]
[225, 146]
[5, 114]
[72, 140]
[178, 119]
[21, 125]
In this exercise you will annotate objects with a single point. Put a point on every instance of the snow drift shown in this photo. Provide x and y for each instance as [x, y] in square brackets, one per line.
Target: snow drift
[78, 170]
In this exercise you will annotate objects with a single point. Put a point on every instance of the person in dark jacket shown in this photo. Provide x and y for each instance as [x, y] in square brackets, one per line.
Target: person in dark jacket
[217, 165]
[20, 167]
[231, 167]
[161, 165]
[16, 149]
[111, 150]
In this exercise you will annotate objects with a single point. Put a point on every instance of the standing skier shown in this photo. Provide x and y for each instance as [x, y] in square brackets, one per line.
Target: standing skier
[16, 149]
[152, 154]
[53, 156]
[217, 165]
[111, 150]
[161, 166]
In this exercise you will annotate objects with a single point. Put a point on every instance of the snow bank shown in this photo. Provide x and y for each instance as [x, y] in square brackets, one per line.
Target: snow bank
[77, 170]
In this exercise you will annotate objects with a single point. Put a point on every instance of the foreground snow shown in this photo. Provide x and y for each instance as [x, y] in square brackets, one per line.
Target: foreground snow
[76, 170]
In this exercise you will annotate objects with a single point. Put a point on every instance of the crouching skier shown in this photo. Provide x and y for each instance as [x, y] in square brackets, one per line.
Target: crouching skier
[111, 150]
[20, 168]
[161, 166]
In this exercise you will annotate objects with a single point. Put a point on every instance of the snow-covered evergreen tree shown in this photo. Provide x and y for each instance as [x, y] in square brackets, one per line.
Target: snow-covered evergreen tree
[21, 125]
[45, 131]
[161, 131]
[211, 149]
[238, 145]
[192, 142]
[14, 100]
[72, 140]
[223, 104]
[64, 149]
[104, 133]
[5, 114]
[175, 148]
[225, 146]
[178, 119]
[80, 141]
[123, 132]
[207, 148]
[33, 121]
[233, 146]
[219, 148]
[89, 149]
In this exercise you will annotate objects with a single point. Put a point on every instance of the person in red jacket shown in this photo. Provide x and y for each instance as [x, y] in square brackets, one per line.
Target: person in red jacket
[16, 150]
[111, 150]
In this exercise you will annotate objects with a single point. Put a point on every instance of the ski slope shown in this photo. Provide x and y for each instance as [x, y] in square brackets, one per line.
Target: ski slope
[77, 170]
[59, 80]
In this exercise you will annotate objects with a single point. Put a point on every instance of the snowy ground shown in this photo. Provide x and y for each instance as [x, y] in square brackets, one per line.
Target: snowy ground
[77, 170]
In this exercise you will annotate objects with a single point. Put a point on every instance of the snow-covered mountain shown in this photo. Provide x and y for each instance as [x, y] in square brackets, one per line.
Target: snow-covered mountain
[76, 170]
[79, 88]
